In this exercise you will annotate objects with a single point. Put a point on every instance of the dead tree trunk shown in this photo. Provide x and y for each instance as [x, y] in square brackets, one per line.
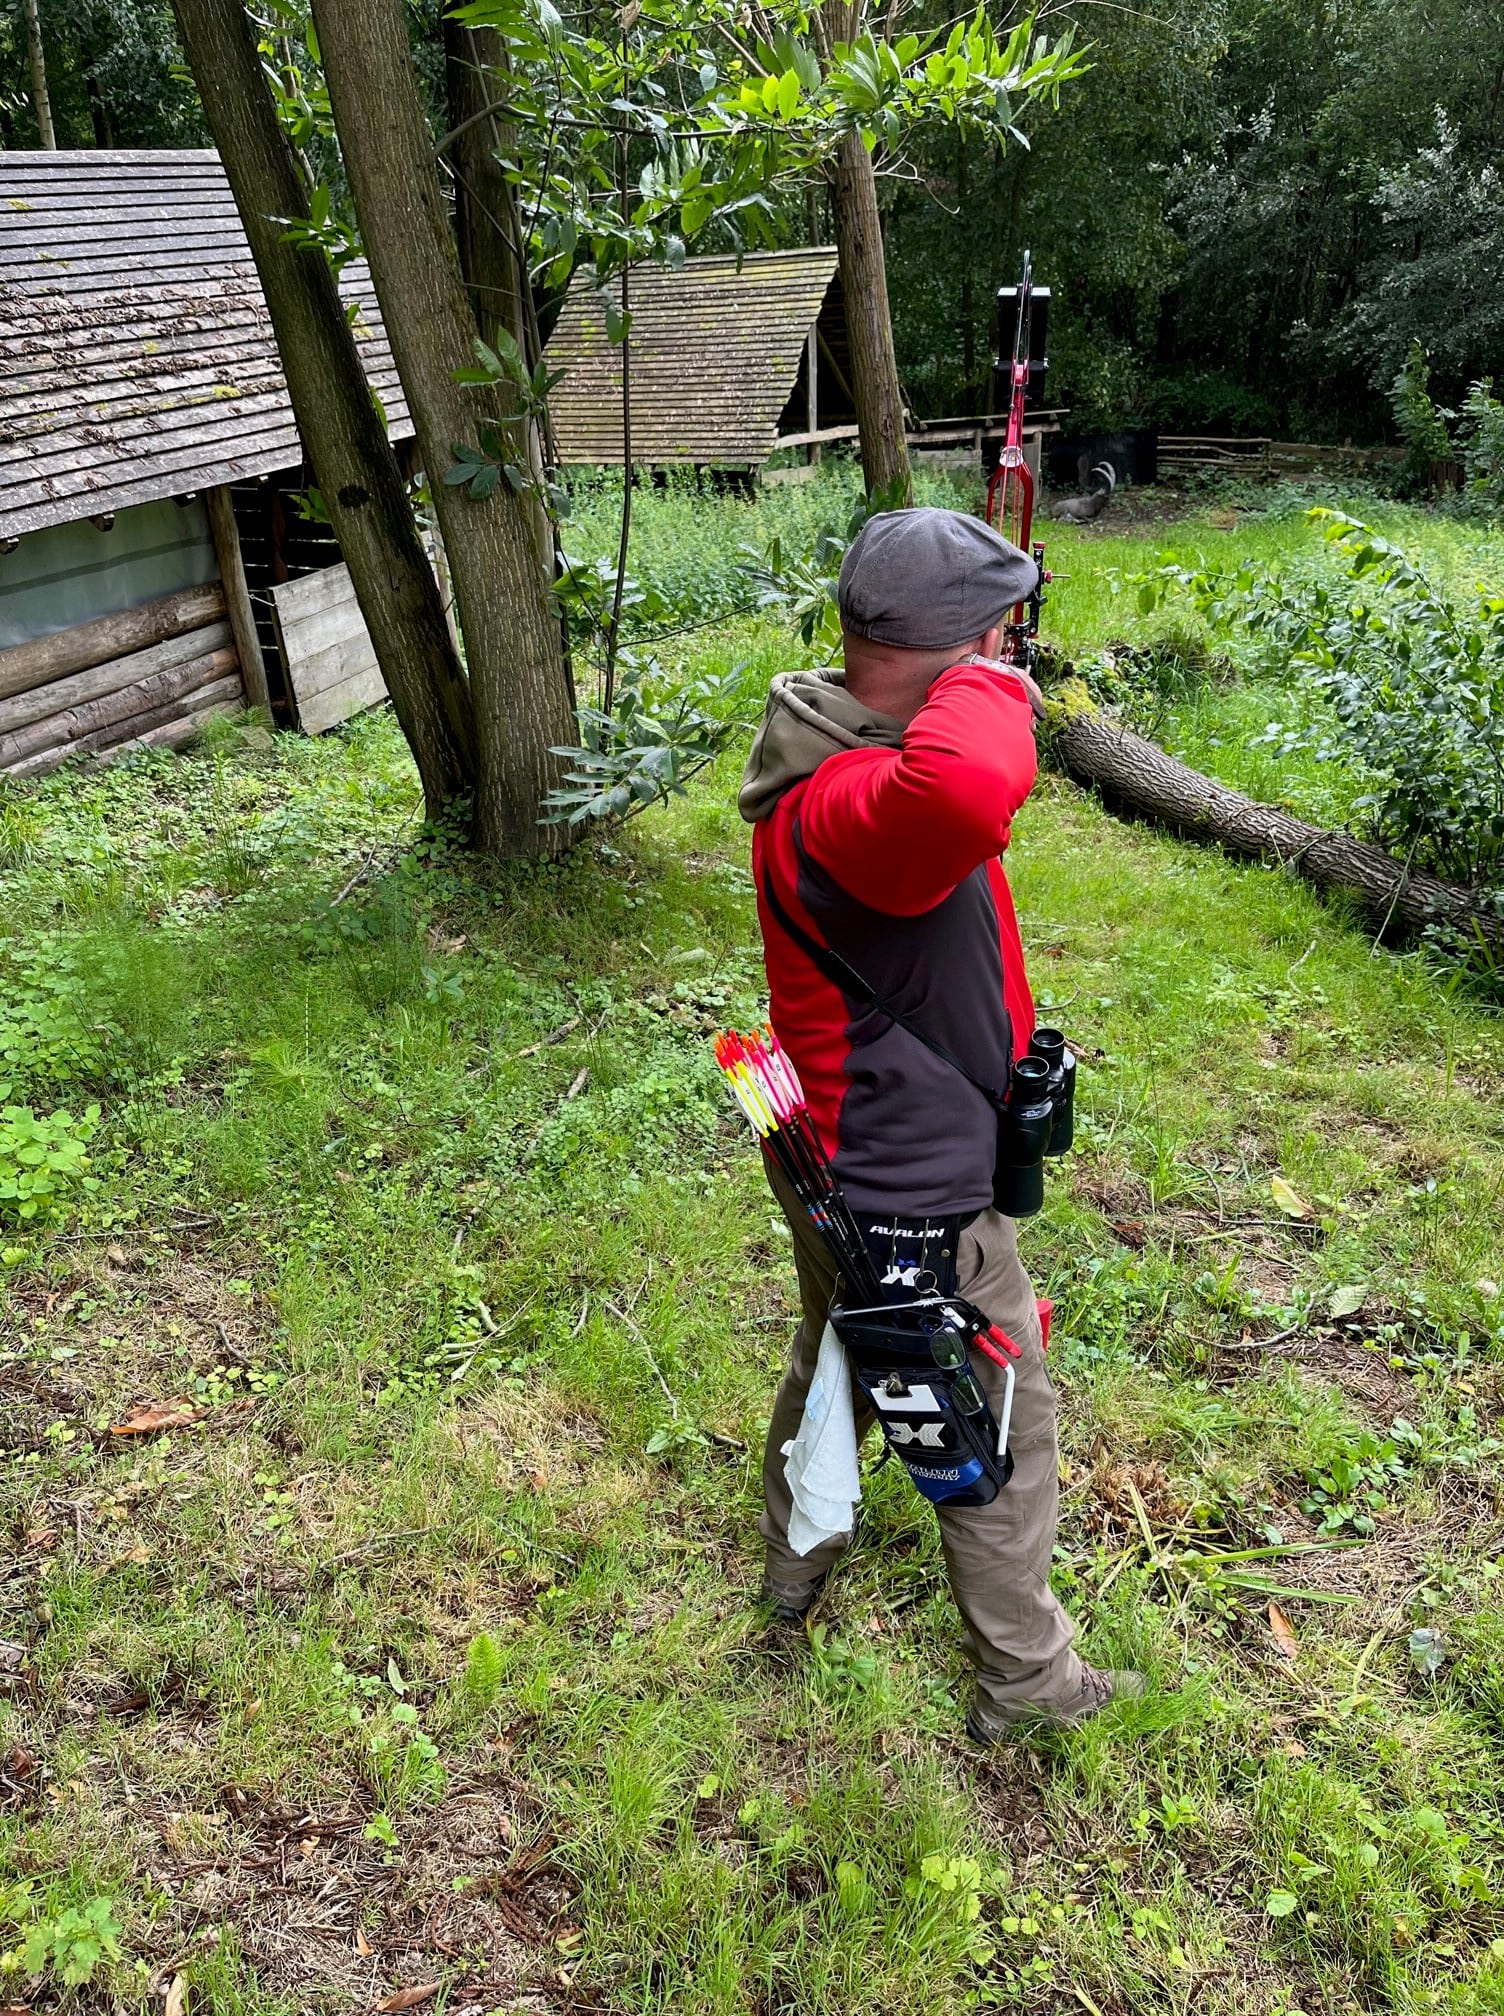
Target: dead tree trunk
[512, 641]
[864, 284]
[357, 474]
[1135, 776]
[41, 102]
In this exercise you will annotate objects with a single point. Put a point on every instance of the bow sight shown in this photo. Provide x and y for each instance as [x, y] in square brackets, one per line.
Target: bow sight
[1010, 493]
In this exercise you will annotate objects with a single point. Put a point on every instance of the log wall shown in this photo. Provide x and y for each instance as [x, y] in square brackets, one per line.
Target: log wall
[146, 677]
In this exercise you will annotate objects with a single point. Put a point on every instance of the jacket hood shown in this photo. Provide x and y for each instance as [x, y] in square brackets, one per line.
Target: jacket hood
[809, 716]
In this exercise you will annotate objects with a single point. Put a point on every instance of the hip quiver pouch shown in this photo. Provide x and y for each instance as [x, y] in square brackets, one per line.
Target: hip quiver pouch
[910, 1359]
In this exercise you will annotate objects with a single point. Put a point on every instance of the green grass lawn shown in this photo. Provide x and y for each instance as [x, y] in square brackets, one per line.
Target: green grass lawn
[379, 1438]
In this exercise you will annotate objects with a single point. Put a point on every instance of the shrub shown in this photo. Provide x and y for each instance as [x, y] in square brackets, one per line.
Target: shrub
[1421, 423]
[1481, 434]
[1414, 685]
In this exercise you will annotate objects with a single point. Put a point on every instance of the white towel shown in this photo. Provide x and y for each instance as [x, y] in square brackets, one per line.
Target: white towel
[820, 1463]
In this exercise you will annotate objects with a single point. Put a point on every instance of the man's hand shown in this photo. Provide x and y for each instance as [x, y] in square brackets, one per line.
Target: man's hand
[1036, 698]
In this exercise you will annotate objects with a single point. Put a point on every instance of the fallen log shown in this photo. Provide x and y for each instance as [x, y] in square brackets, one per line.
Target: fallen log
[1133, 775]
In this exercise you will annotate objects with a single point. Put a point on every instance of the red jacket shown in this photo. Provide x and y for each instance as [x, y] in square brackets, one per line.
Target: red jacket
[889, 856]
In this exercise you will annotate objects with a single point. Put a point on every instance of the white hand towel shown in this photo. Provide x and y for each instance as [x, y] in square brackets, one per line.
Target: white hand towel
[821, 1461]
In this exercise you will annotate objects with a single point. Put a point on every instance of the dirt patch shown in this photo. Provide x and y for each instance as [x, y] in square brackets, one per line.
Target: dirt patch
[470, 1903]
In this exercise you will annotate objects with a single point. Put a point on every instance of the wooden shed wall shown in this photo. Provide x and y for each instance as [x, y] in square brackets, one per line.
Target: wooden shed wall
[139, 678]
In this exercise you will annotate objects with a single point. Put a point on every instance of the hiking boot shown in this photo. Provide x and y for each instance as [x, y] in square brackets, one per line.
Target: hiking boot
[1097, 1689]
[790, 1605]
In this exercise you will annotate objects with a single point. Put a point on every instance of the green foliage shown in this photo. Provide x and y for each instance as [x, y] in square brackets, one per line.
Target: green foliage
[43, 1157]
[648, 747]
[113, 73]
[67, 1946]
[1414, 685]
[1422, 427]
[1481, 434]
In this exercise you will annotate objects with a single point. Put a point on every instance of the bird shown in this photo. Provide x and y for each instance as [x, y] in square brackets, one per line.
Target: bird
[1093, 502]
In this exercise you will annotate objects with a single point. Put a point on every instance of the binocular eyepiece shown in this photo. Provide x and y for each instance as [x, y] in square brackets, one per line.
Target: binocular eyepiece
[1038, 1121]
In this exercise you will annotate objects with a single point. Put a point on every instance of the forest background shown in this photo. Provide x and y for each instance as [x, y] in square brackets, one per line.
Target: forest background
[1248, 209]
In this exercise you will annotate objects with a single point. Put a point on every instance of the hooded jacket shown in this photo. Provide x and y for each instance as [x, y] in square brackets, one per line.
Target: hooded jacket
[881, 841]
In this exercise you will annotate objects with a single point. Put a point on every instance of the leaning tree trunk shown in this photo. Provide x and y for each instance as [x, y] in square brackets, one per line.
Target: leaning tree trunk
[864, 285]
[357, 474]
[512, 641]
[1135, 776]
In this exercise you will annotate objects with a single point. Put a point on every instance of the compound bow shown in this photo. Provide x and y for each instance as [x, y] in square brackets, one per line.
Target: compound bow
[1010, 494]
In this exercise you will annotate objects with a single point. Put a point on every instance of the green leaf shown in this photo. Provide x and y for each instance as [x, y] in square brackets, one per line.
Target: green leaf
[1280, 1903]
[1347, 1301]
[485, 480]
[788, 94]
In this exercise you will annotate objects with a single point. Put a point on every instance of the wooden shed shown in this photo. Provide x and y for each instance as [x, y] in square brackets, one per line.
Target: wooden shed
[155, 535]
[729, 363]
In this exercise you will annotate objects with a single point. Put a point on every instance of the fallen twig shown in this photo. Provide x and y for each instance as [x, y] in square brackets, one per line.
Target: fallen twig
[647, 1352]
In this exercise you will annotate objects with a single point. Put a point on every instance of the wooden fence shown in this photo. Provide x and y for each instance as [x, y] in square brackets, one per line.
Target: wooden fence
[1256, 455]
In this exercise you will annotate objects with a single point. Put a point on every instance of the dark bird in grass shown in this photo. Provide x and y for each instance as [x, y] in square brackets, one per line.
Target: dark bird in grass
[1101, 480]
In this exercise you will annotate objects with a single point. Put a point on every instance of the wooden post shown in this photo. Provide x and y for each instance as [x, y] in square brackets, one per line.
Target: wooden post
[237, 596]
[812, 388]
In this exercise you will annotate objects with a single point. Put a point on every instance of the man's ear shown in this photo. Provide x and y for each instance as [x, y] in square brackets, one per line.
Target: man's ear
[991, 642]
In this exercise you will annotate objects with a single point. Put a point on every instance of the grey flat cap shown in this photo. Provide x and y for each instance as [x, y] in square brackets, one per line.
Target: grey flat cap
[928, 578]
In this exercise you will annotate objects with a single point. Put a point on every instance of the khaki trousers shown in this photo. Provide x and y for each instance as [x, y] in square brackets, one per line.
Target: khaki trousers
[997, 1556]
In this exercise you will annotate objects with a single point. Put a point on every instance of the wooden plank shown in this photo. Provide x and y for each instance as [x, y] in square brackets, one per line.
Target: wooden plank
[81, 724]
[237, 596]
[315, 633]
[298, 600]
[326, 648]
[171, 735]
[43, 659]
[339, 703]
[223, 696]
[78, 690]
[321, 671]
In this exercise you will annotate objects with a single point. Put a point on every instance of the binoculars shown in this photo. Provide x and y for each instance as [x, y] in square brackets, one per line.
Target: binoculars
[1038, 1120]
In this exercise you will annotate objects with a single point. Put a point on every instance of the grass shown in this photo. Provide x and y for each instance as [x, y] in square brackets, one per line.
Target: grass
[400, 1664]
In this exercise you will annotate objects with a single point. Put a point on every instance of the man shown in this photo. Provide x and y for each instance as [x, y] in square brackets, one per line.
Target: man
[880, 798]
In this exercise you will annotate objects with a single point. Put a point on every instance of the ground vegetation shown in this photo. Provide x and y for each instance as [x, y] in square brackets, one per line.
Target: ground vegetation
[390, 1308]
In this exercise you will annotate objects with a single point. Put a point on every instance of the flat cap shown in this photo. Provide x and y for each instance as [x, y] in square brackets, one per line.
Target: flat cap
[927, 578]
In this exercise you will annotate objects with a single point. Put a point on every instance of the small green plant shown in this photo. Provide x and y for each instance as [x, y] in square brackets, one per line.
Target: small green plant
[1354, 1483]
[839, 1669]
[484, 1669]
[647, 748]
[68, 1946]
[42, 1157]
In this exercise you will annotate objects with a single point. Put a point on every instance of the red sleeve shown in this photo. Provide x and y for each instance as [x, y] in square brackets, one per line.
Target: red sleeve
[899, 828]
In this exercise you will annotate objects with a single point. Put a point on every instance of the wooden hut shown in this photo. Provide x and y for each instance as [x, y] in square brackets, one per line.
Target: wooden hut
[159, 561]
[729, 363]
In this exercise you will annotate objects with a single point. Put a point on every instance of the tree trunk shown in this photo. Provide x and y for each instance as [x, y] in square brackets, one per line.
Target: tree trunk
[511, 638]
[1137, 777]
[353, 464]
[869, 326]
[40, 101]
[488, 224]
[864, 283]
